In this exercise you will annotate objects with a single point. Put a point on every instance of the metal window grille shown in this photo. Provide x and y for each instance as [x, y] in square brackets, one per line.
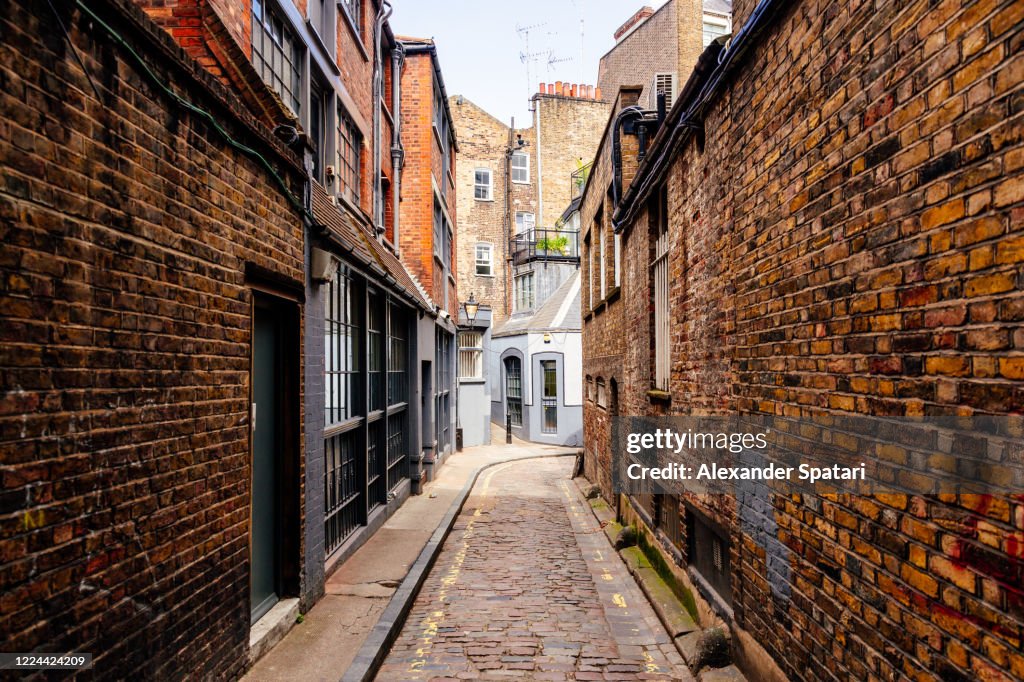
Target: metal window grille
[398, 384]
[660, 287]
[342, 488]
[343, 349]
[471, 355]
[397, 451]
[549, 399]
[375, 341]
[514, 390]
[277, 53]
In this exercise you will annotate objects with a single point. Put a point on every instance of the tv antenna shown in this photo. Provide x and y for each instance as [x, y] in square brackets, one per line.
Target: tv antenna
[526, 57]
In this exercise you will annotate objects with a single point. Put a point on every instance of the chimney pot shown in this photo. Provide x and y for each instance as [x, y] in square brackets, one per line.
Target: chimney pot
[572, 91]
[597, 93]
[558, 88]
[590, 92]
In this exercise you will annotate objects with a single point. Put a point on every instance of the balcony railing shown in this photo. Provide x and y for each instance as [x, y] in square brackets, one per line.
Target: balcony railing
[545, 245]
[579, 179]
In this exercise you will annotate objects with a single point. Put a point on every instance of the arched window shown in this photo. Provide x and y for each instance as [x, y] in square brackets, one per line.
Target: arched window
[514, 390]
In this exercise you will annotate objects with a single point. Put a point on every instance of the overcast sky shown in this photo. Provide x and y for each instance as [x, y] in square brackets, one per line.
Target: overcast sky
[479, 45]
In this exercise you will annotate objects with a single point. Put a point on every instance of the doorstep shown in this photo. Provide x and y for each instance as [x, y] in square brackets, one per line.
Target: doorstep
[272, 627]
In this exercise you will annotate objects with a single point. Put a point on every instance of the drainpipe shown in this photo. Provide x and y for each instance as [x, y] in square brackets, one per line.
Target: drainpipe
[378, 98]
[397, 152]
[540, 182]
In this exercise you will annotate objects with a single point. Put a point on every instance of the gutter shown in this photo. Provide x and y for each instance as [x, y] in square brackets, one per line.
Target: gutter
[431, 49]
[719, 60]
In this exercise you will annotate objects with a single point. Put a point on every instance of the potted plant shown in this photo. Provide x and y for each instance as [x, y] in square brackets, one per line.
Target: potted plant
[554, 245]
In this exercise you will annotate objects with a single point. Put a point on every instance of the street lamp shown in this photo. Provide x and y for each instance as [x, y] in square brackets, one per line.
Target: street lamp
[471, 307]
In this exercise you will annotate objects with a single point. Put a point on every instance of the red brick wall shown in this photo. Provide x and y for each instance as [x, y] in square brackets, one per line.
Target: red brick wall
[127, 225]
[849, 238]
[423, 170]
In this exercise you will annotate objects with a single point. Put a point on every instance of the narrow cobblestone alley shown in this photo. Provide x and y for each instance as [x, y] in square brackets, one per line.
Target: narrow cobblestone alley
[528, 587]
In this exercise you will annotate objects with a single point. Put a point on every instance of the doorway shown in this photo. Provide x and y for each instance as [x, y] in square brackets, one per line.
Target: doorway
[274, 503]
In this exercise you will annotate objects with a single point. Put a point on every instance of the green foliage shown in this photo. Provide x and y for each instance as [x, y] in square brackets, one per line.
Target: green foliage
[556, 244]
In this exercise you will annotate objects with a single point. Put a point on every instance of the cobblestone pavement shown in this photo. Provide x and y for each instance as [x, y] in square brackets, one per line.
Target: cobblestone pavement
[527, 587]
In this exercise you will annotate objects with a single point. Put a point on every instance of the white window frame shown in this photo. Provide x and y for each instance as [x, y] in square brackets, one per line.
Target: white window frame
[719, 21]
[522, 170]
[489, 260]
[659, 278]
[471, 355]
[525, 298]
[524, 226]
[488, 187]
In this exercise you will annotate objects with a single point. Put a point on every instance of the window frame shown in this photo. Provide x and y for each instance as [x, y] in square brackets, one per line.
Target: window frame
[549, 401]
[348, 156]
[471, 355]
[532, 222]
[520, 291]
[488, 186]
[658, 279]
[490, 259]
[524, 169]
[261, 12]
[353, 10]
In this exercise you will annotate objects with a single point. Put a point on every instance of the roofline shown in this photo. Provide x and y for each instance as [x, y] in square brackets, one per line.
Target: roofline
[429, 47]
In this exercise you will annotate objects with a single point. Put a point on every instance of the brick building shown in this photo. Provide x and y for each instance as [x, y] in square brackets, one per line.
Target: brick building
[427, 240]
[657, 49]
[828, 233]
[213, 357]
[515, 186]
[145, 260]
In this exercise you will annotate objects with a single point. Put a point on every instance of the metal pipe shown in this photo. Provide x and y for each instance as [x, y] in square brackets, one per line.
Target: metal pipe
[397, 151]
[540, 181]
[378, 98]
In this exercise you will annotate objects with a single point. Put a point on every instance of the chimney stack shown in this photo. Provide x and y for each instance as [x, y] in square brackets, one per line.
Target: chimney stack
[633, 22]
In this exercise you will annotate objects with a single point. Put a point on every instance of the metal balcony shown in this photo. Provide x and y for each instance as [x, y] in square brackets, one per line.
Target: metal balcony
[541, 244]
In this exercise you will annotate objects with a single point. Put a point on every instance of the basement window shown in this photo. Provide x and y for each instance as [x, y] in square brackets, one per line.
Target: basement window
[708, 554]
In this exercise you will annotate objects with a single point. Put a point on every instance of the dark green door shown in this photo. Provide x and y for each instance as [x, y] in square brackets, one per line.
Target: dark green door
[266, 362]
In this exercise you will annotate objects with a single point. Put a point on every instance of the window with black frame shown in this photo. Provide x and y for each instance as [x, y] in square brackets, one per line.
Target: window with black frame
[398, 394]
[277, 53]
[350, 142]
[343, 447]
[443, 396]
[514, 390]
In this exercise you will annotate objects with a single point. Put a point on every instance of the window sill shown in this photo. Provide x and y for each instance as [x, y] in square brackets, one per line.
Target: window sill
[490, 201]
[491, 276]
[658, 396]
[613, 295]
[472, 380]
[521, 182]
[588, 315]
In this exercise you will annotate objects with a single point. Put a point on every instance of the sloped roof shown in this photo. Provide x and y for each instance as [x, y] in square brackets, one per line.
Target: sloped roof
[365, 248]
[560, 312]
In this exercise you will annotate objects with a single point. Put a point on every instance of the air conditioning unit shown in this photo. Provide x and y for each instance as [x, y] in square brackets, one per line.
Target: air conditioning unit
[667, 83]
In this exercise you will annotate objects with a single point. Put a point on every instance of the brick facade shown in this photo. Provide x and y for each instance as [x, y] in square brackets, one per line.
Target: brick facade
[845, 236]
[570, 128]
[428, 179]
[133, 237]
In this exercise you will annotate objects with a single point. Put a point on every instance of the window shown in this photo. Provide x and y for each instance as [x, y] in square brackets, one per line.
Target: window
[524, 291]
[590, 388]
[375, 342]
[350, 143]
[484, 259]
[277, 54]
[549, 399]
[482, 188]
[471, 355]
[602, 393]
[715, 26]
[603, 262]
[708, 554]
[318, 129]
[520, 167]
[514, 391]
[658, 217]
[317, 11]
[617, 241]
[398, 382]
[443, 397]
[343, 350]
[525, 222]
[590, 273]
[354, 10]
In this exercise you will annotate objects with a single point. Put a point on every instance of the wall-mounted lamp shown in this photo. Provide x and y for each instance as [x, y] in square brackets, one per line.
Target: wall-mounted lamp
[547, 338]
[471, 307]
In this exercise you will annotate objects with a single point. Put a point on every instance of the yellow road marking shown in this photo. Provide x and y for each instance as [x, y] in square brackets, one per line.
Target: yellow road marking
[619, 600]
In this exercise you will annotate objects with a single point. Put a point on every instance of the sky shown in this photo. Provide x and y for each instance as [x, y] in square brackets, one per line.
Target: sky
[480, 47]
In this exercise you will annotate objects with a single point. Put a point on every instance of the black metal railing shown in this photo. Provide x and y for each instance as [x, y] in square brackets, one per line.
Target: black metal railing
[545, 245]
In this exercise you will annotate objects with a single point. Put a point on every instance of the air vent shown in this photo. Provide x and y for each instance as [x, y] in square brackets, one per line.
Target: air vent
[663, 83]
